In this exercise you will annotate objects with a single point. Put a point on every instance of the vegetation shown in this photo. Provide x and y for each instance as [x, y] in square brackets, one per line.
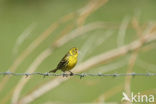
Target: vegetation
[113, 36]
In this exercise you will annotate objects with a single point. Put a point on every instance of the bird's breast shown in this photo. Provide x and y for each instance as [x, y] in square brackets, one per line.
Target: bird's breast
[72, 62]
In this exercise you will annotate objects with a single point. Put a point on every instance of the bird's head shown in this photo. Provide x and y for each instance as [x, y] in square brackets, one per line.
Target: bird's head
[73, 51]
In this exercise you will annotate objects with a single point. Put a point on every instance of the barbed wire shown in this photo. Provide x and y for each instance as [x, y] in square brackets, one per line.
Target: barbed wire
[80, 75]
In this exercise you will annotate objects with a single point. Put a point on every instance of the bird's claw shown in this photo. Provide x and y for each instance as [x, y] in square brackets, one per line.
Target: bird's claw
[71, 74]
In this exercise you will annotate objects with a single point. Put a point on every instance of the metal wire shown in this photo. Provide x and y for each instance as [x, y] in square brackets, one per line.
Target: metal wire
[80, 75]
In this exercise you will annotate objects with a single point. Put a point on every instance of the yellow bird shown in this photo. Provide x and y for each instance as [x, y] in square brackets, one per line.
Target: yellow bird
[68, 61]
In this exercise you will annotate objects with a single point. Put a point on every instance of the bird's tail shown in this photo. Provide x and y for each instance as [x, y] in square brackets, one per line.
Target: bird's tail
[53, 71]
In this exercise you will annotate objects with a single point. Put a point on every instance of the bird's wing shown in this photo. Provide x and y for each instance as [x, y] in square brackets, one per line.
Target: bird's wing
[63, 63]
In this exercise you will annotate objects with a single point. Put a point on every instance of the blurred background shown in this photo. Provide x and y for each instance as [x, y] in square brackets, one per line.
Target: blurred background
[36, 34]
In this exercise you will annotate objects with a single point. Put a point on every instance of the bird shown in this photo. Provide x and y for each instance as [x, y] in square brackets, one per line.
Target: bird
[68, 62]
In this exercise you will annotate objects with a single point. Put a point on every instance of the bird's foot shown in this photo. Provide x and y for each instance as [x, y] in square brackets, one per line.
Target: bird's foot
[71, 73]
